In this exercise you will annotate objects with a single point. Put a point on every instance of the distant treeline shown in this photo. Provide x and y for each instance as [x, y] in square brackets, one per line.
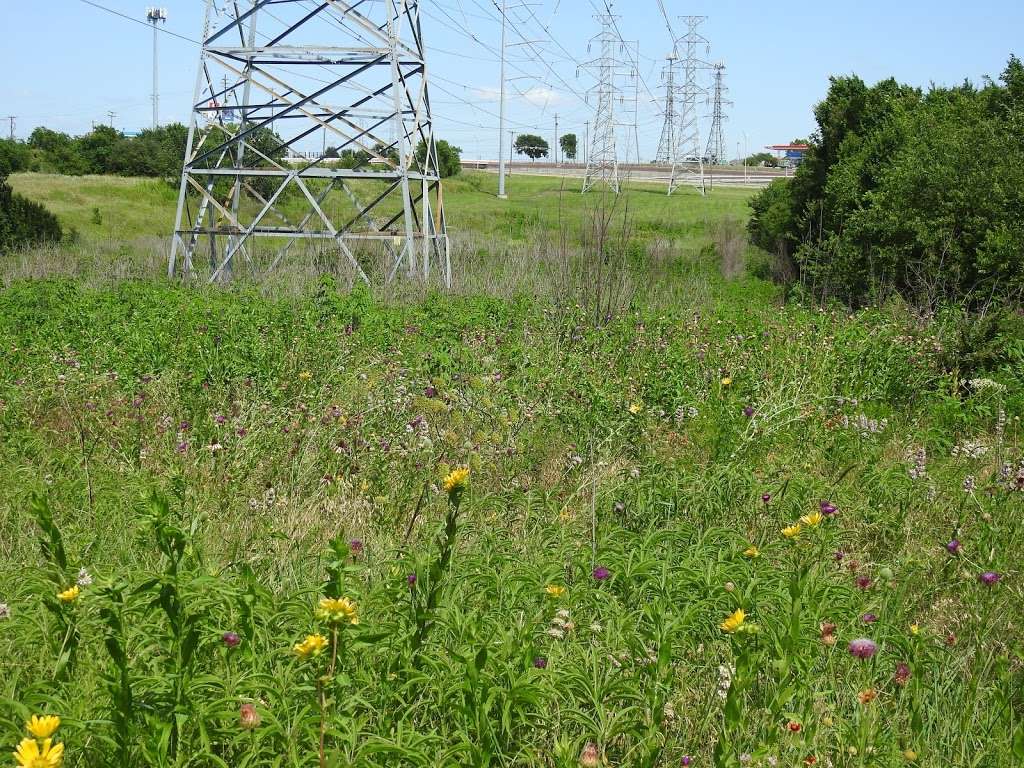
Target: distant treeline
[919, 193]
[159, 151]
[104, 150]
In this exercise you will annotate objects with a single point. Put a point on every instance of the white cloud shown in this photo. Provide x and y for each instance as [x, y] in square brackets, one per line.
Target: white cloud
[488, 93]
[542, 97]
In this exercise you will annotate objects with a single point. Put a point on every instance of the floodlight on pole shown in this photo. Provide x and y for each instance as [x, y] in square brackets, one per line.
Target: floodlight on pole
[156, 16]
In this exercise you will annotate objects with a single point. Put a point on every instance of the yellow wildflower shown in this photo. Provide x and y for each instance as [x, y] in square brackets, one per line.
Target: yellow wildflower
[33, 754]
[635, 408]
[752, 552]
[813, 520]
[791, 531]
[909, 755]
[305, 375]
[313, 645]
[43, 727]
[734, 622]
[70, 594]
[337, 610]
[726, 381]
[554, 590]
[455, 481]
[915, 628]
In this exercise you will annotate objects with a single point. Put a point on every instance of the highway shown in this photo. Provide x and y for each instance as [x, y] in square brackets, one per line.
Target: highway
[650, 174]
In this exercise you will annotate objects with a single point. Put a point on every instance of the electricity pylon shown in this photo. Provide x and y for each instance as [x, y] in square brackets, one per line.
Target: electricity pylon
[602, 160]
[311, 70]
[688, 152]
[716, 137]
[667, 143]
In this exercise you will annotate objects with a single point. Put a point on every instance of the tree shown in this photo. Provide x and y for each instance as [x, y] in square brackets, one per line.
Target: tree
[99, 149]
[449, 159]
[15, 156]
[531, 145]
[568, 144]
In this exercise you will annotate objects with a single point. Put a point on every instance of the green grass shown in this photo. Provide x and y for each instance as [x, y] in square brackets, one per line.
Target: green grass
[132, 208]
[208, 455]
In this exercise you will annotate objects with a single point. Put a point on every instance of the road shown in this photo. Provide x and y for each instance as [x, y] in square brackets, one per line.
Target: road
[650, 174]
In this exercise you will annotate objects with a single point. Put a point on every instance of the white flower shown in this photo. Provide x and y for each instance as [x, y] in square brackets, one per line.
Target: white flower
[84, 579]
[5, 611]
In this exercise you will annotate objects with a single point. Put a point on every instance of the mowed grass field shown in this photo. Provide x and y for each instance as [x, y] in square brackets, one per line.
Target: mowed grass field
[313, 525]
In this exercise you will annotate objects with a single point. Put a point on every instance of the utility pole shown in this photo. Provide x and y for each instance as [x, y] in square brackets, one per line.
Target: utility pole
[501, 109]
[556, 139]
[13, 119]
[155, 16]
[111, 115]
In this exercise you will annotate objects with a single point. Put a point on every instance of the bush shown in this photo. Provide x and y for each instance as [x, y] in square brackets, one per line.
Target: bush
[23, 222]
[916, 193]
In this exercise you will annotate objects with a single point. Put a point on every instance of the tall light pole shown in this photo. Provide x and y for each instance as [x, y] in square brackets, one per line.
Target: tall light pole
[154, 16]
[501, 111]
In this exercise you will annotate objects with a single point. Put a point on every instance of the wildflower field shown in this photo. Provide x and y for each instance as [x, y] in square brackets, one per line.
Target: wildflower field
[329, 529]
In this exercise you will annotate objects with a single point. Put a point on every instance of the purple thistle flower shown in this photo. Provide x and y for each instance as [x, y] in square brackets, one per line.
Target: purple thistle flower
[766, 497]
[863, 582]
[182, 447]
[863, 648]
[989, 578]
[840, 555]
[220, 418]
[748, 411]
[231, 639]
[430, 391]
[540, 662]
[869, 618]
[685, 761]
[902, 673]
[953, 547]
[827, 508]
[601, 573]
[356, 546]
[411, 578]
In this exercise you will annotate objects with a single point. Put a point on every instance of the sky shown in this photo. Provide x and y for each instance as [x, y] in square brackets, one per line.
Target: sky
[67, 63]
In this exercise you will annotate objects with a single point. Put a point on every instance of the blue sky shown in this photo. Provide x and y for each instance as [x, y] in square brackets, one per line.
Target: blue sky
[77, 62]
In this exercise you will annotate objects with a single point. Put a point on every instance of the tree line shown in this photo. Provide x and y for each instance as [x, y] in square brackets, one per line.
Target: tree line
[158, 152]
[918, 193]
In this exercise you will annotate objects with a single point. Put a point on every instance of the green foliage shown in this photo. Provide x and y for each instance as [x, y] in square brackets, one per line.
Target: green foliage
[906, 192]
[531, 145]
[220, 460]
[154, 152]
[23, 222]
[449, 161]
[568, 144]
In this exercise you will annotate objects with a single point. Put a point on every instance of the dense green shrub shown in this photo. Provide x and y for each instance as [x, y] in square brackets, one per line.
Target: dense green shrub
[917, 193]
[23, 222]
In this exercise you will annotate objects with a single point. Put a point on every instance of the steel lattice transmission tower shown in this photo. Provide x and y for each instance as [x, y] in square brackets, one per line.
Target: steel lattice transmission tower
[716, 149]
[688, 159]
[667, 143]
[277, 81]
[602, 160]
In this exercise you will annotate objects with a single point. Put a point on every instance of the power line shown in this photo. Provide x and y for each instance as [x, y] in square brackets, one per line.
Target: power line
[138, 21]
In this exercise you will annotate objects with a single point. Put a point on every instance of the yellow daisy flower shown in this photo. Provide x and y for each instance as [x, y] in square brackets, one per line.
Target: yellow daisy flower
[752, 552]
[43, 727]
[734, 621]
[312, 646]
[305, 375]
[33, 754]
[455, 481]
[813, 520]
[635, 408]
[726, 381]
[554, 590]
[915, 628]
[791, 531]
[337, 610]
[69, 595]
